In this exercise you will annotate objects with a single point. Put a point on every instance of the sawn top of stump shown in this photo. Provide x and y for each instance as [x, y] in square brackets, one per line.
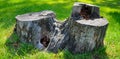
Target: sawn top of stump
[95, 22]
[35, 16]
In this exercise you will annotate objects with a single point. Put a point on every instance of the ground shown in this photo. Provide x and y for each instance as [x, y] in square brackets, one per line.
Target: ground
[11, 48]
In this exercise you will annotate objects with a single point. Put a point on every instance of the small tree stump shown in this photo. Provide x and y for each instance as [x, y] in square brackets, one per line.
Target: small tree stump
[82, 32]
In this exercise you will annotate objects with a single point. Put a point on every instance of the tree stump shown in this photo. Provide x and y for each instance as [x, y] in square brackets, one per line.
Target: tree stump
[35, 28]
[83, 31]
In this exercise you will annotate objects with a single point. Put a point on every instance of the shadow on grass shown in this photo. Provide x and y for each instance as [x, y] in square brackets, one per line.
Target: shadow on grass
[97, 54]
[17, 48]
[105, 3]
[109, 3]
[115, 16]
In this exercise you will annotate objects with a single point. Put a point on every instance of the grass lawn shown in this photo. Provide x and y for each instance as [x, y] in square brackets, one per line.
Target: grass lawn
[11, 48]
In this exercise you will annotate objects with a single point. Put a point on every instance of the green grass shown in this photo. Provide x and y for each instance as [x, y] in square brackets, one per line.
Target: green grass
[110, 9]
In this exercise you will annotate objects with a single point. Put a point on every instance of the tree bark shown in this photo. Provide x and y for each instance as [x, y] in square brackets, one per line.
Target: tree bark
[82, 32]
[32, 27]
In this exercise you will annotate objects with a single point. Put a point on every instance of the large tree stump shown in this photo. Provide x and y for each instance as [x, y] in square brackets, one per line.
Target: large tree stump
[82, 32]
[35, 28]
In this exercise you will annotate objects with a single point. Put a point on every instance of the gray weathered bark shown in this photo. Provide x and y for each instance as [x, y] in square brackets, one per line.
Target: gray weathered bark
[83, 31]
[33, 27]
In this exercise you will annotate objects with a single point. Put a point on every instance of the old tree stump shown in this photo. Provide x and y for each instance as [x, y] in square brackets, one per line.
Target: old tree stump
[83, 31]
